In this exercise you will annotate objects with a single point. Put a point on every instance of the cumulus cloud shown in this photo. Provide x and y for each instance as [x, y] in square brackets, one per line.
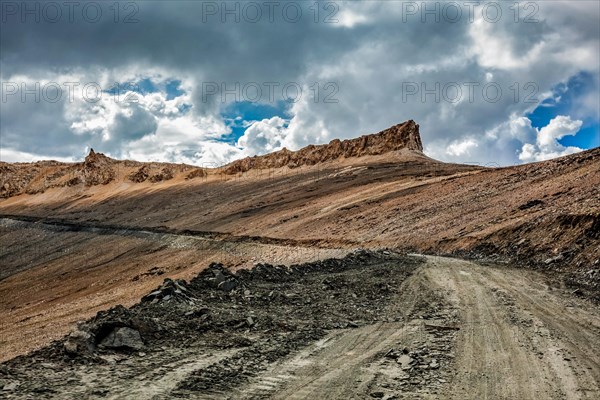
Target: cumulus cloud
[493, 48]
[373, 55]
[460, 148]
[8, 155]
[547, 145]
[349, 18]
[264, 136]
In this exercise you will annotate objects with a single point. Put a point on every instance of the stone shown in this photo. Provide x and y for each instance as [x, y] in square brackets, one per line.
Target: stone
[123, 338]
[70, 347]
[392, 353]
[553, 259]
[77, 342]
[180, 285]
[11, 386]
[405, 360]
[377, 395]
[228, 286]
[218, 278]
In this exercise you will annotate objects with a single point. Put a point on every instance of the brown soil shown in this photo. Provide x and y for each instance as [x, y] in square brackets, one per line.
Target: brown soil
[80, 238]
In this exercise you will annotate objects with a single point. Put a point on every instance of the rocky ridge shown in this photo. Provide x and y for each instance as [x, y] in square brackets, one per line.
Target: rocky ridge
[96, 169]
[404, 136]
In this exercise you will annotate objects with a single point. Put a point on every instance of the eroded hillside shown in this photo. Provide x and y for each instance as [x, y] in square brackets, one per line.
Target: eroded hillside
[71, 250]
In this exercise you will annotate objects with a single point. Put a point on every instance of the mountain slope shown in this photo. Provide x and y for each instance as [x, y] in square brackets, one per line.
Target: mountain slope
[98, 169]
[403, 136]
[107, 244]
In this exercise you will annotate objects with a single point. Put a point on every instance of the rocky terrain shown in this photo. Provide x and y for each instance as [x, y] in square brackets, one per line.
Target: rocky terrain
[96, 169]
[369, 325]
[255, 317]
[403, 136]
[286, 276]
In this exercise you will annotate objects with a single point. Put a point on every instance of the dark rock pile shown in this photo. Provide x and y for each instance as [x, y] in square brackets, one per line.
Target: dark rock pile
[263, 314]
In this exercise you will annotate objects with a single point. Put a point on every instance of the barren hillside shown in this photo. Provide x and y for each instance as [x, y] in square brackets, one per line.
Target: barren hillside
[78, 238]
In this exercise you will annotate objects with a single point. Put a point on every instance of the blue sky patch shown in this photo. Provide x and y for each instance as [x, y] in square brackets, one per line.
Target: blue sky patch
[173, 89]
[567, 94]
[241, 114]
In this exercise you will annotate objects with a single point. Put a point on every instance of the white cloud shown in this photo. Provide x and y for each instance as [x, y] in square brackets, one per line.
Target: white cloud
[462, 147]
[493, 48]
[348, 19]
[214, 154]
[264, 136]
[558, 128]
[547, 145]
[9, 155]
[517, 127]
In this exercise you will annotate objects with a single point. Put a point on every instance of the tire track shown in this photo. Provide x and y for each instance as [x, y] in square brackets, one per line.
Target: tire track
[502, 359]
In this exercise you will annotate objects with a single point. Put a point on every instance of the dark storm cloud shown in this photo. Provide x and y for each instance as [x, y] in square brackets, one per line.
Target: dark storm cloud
[173, 35]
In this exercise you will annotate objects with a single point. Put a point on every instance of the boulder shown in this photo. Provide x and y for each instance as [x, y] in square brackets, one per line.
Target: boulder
[123, 338]
[228, 286]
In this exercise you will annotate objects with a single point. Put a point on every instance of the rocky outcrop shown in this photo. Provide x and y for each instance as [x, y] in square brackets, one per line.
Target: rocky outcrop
[144, 173]
[140, 175]
[403, 136]
[164, 175]
[98, 169]
[31, 178]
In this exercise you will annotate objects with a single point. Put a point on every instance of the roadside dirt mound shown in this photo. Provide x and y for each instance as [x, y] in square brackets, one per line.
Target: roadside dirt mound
[403, 136]
[254, 317]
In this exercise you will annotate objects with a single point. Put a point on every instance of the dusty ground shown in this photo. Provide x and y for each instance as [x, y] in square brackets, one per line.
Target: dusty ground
[373, 325]
[76, 239]
[54, 275]
[110, 244]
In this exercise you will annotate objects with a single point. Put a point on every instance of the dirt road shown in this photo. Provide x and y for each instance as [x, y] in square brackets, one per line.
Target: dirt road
[517, 340]
[450, 329]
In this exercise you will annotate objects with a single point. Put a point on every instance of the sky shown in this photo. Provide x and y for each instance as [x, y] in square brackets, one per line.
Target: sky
[207, 82]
